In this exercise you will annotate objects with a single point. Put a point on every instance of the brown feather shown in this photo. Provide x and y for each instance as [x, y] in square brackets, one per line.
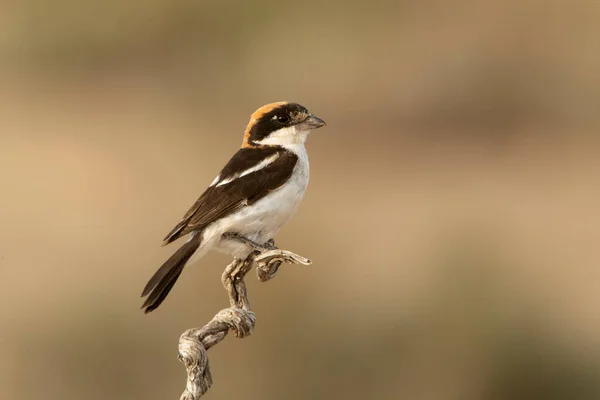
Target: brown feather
[161, 283]
[256, 116]
[219, 201]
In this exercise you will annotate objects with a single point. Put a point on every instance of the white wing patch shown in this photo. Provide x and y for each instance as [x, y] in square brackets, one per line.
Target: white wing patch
[257, 167]
[215, 181]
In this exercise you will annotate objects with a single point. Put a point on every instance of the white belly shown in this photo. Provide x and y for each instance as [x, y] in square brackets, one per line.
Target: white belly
[262, 220]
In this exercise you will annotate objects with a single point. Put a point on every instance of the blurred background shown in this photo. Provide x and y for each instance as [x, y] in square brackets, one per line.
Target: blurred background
[452, 216]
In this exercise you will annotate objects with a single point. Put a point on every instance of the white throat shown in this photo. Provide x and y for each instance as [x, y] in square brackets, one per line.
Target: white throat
[285, 136]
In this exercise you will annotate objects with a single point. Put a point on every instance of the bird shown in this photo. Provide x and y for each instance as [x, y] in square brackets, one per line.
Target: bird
[253, 196]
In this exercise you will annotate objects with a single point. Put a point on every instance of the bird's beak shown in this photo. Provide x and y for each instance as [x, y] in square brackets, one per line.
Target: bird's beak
[312, 122]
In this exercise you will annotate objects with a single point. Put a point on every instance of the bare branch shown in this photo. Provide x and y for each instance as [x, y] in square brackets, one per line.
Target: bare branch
[268, 262]
[194, 343]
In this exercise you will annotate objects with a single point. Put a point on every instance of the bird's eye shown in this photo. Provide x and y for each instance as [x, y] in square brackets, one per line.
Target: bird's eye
[282, 119]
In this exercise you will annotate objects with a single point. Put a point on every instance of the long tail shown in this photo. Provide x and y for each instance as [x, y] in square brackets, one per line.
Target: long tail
[161, 283]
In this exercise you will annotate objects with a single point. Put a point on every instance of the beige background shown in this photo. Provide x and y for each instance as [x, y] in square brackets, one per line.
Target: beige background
[452, 215]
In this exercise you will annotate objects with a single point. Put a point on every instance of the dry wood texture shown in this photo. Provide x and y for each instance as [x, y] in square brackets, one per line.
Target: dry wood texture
[194, 343]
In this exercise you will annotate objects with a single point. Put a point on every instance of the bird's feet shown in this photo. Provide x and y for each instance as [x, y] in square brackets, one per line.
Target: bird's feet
[267, 256]
[270, 245]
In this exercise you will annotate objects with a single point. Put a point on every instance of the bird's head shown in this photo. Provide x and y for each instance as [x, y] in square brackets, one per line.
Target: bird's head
[280, 123]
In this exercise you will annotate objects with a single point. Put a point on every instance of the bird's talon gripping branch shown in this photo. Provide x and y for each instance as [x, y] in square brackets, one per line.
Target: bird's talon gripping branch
[270, 245]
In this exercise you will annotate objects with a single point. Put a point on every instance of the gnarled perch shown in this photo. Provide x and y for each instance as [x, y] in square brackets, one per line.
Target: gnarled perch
[194, 343]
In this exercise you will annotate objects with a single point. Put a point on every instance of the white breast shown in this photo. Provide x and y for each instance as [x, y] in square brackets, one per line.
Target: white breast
[262, 220]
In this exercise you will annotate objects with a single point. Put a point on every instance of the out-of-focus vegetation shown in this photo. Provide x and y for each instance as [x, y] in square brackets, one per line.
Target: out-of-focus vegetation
[452, 211]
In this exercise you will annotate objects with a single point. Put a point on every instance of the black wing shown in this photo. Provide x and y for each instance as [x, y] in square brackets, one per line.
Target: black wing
[219, 201]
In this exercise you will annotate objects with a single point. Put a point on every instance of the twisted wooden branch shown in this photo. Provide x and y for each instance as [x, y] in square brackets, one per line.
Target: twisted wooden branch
[238, 318]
